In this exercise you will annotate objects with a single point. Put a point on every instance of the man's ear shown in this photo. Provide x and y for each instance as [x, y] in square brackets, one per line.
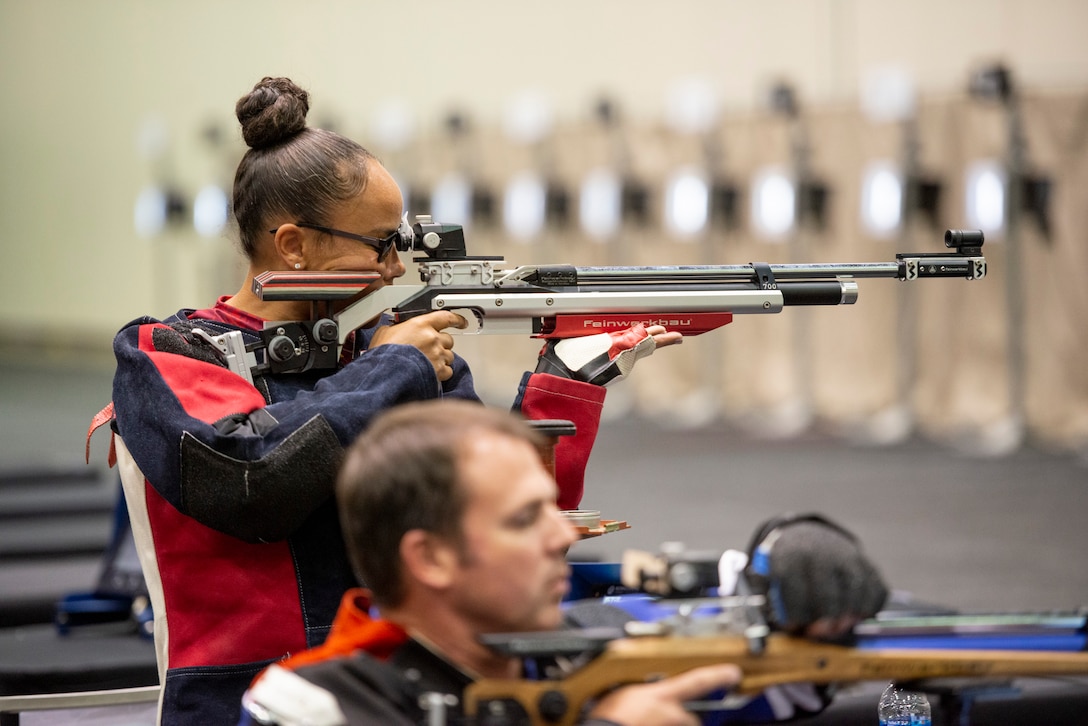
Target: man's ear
[288, 245]
[429, 559]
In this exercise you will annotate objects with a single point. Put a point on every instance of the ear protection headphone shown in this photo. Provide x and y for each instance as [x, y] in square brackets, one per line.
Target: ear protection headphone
[771, 526]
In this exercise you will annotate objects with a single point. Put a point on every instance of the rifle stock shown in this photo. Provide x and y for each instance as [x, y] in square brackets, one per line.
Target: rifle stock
[785, 659]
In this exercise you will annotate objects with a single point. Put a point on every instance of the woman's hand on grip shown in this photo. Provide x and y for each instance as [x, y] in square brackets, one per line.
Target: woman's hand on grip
[425, 333]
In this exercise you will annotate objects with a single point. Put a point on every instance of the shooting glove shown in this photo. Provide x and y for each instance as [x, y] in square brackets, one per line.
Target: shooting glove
[597, 359]
[809, 569]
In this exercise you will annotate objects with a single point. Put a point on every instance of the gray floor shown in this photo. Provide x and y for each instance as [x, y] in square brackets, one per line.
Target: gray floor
[986, 534]
[45, 411]
[1001, 533]
[998, 534]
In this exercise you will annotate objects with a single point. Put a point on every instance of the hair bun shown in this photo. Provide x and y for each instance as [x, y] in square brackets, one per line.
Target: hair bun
[274, 111]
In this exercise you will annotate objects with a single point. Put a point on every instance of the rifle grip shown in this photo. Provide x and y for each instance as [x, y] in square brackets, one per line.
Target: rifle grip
[551, 430]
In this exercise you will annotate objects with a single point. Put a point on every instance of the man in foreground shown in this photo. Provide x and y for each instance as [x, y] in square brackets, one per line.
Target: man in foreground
[450, 518]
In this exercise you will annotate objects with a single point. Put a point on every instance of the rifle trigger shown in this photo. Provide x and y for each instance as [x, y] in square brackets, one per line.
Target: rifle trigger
[764, 276]
[474, 322]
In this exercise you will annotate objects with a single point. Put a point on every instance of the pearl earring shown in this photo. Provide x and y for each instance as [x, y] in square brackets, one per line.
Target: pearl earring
[298, 265]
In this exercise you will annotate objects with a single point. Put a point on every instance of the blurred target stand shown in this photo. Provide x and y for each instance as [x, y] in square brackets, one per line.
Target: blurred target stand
[982, 366]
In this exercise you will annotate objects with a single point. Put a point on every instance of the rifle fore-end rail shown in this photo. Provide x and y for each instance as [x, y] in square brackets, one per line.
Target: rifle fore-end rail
[784, 660]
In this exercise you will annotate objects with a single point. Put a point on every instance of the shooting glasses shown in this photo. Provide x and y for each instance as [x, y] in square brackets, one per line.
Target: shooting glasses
[401, 238]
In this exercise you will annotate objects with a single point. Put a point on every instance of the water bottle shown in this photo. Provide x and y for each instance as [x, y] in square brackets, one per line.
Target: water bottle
[903, 708]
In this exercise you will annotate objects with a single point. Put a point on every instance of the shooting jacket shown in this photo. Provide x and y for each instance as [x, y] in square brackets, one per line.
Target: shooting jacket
[229, 486]
[369, 671]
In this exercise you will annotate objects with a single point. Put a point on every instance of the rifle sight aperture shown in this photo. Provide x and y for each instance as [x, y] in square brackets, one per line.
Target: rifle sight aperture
[436, 240]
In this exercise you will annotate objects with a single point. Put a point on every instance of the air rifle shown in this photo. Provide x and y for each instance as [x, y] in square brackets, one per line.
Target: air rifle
[780, 659]
[698, 630]
[556, 301]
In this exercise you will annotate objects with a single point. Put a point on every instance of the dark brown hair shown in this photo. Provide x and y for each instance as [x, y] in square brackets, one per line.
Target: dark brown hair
[402, 474]
[290, 169]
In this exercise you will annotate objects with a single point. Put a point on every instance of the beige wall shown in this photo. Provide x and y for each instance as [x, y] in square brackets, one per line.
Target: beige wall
[80, 77]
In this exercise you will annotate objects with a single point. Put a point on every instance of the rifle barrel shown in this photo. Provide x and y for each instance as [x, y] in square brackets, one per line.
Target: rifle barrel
[733, 273]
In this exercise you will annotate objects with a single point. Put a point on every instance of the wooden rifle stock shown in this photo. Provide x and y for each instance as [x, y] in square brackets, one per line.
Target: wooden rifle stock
[785, 660]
